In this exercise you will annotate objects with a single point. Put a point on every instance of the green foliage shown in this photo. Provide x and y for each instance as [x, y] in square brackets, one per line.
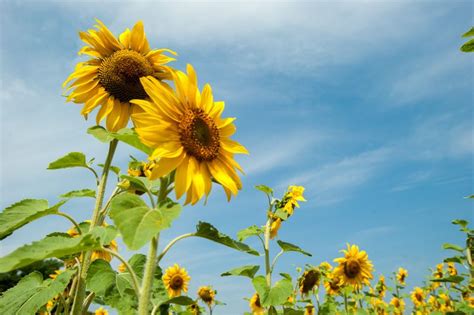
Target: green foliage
[288, 247]
[23, 212]
[267, 190]
[50, 246]
[138, 223]
[253, 230]
[453, 247]
[100, 134]
[469, 45]
[31, 293]
[277, 295]
[452, 279]
[73, 159]
[100, 277]
[79, 194]
[246, 271]
[141, 183]
[206, 230]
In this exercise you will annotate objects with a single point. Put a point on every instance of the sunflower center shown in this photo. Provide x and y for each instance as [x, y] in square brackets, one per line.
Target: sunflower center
[352, 269]
[176, 282]
[257, 301]
[418, 297]
[199, 135]
[120, 74]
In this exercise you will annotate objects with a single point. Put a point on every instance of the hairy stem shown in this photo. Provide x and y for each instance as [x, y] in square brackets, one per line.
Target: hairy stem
[171, 243]
[268, 269]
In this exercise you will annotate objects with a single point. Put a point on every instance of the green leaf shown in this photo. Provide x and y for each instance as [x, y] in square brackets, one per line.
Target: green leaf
[461, 223]
[138, 223]
[23, 212]
[73, 159]
[206, 230]
[286, 276]
[455, 259]
[453, 279]
[79, 193]
[290, 311]
[105, 233]
[180, 300]
[288, 247]
[469, 197]
[100, 277]
[130, 137]
[281, 213]
[50, 246]
[31, 293]
[453, 247]
[141, 183]
[253, 230]
[246, 271]
[100, 134]
[277, 295]
[265, 189]
[469, 33]
[114, 169]
[468, 46]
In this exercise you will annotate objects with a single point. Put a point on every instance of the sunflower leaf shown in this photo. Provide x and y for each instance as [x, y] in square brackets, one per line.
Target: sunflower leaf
[253, 230]
[100, 134]
[453, 247]
[31, 293]
[180, 300]
[23, 212]
[246, 271]
[206, 230]
[288, 247]
[277, 295]
[130, 137]
[73, 159]
[79, 193]
[50, 246]
[468, 46]
[100, 277]
[267, 190]
[453, 279]
[469, 33]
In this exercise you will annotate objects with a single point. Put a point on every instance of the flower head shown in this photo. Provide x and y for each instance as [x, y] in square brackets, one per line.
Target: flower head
[381, 287]
[111, 77]
[354, 268]
[398, 304]
[188, 135]
[418, 296]
[309, 309]
[122, 268]
[207, 294]
[452, 269]
[402, 275]
[332, 284]
[255, 305]
[274, 227]
[309, 280]
[101, 311]
[176, 279]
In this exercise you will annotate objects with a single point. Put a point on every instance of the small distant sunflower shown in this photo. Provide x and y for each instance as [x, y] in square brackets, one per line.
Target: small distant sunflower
[332, 284]
[255, 305]
[194, 309]
[447, 304]
[434, 303]
[101, 311]
[354, 268]
[309, 280]
[325, 266]
[122, 268]
[402, 275]
[418, 296]
[207, 294]
[274, 227]
[381, 287]
[176, 279]
[111, 78]
[291, 198]
[188, 135]
[309, 309]
[398, 304]
[452, 269]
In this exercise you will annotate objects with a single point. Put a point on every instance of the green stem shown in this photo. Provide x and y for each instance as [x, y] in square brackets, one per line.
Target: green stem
[67, 216]
[275, 259]
[86, 261]
[345, 302]
[170, 244]
[266, 248]
[136, 285]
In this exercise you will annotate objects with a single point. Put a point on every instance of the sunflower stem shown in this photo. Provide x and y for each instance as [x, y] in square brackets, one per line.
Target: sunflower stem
[135, 283]
[171, 243]
[268, 269]
[86, 261]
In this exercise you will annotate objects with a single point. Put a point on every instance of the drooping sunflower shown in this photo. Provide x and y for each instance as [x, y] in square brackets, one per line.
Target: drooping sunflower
[309, 280]
[110, 79]
[207, 294]
[255, 305]
[291, 198]
[418, 296]
[188, 135]
[354, 268]
[274, 227]
[176, 279]
[402, 275]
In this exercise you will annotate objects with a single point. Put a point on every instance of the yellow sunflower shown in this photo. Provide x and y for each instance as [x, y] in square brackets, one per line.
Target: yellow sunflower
[381, 287]
[188, 135]
[176, 279]
[56, 274]
[402, 275]
[255, 305]
[418, 296]
[398, 304]
[354, 268]
[447, 304]
[110, 79]
[309, 309]
[207, 294]
[274, 227]
[101, 311]
[332, 284]
[452, 269]
[309, 280]
[122, 268]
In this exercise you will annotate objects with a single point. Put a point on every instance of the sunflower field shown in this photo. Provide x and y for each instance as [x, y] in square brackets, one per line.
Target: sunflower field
[137, 99]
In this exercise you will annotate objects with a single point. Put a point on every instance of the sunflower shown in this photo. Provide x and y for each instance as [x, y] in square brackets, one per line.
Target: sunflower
[207, 294]
[354, 268]
[101, 311]
[309, 280]
[110, 79]
[291, 198]
[56, 274]
[194, 309]
[418, 296]
[434, 303]
[188, 135]
[381, 287]
[309, 309]
[274, 227]
[176, 279]
[332, 284]
[255, 305]
[452, 269]
[398, 304]
[325, 266]
[402, 275]
[447, 305]
[122, 268]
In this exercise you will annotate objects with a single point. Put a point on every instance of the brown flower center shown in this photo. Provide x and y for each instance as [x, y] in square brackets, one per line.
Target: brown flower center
[120, 74]
[418, 297]
[309, 280]
[176, 282]
[352, 269]
[199, 135]
[257, 301]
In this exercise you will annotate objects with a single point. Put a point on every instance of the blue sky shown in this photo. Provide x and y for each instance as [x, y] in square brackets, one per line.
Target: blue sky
[366, 104]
